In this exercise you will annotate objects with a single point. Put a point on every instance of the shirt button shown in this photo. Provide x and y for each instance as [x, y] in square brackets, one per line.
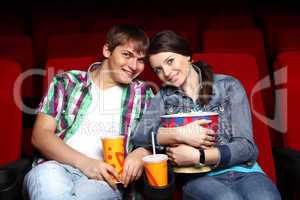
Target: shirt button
[221, 108]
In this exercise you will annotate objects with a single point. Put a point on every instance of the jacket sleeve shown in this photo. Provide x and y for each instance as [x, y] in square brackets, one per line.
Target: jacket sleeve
[241, 149]
[149, 122]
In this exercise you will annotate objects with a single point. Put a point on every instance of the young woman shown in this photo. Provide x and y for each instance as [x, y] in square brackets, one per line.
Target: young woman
[231, 152]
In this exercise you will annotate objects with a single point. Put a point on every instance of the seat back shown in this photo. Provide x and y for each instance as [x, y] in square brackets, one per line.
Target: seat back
[244, 68]
[19, 48]
[248, 41]
[11, 124]
[59, 65]
[289, 117]
[76, 45]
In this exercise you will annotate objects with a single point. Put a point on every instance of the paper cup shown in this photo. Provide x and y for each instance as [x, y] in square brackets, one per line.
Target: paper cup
[156, 168]
[113, 152]
[177, 120]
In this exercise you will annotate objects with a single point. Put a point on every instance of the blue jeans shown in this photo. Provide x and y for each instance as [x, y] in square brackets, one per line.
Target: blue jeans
[231, 186]
[55, 181]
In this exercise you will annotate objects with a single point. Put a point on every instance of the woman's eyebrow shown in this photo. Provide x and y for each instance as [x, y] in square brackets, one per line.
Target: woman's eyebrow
[168, 58]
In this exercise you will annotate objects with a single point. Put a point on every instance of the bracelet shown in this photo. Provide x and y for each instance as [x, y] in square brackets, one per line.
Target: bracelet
[202, 156]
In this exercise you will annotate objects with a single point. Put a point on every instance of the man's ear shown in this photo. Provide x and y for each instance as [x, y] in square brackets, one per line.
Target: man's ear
[106, 52]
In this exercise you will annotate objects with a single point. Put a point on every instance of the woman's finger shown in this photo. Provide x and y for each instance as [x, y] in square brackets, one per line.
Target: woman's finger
[210, 138]
[208, 143]
[211, 132]
[202, 122]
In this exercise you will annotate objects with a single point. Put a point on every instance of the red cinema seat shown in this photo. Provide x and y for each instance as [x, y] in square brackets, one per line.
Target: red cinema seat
[248, 41]
[231, 22]
[187, 25]
[287, 102]
[76, 45]
[59, 65]
[284, 39]
[238, 66]
[11, 25]
[281, 21]
[42, 30]
[94, 24]
[11, 124]
[19, 48]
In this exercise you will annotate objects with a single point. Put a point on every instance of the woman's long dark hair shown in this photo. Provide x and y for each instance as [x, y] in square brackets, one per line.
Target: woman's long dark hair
[169, 41]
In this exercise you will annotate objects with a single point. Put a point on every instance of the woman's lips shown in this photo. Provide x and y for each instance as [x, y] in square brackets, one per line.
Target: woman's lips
[174, 78]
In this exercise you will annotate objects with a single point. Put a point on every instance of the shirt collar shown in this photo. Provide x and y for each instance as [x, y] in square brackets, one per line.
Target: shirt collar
[92, 67]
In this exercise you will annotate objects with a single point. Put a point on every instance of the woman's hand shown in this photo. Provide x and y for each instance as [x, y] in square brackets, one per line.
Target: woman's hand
[183, 155]
[194, 134]
[133, 166]
[97, 169]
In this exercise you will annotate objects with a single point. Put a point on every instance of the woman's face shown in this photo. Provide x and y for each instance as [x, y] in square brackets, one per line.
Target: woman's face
[171, 68]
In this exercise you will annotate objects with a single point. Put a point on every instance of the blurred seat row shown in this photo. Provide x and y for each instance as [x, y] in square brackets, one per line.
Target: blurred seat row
[264, 58]
[224, 63]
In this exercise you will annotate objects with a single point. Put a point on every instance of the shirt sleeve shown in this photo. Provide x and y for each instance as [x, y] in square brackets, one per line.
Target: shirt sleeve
[52, 102]
[241, 149]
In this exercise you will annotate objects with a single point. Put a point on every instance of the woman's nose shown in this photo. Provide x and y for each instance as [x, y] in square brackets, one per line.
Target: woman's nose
[167, 71]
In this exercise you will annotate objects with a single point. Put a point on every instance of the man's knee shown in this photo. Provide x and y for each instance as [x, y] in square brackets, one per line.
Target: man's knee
[94, 189]
[46, 180]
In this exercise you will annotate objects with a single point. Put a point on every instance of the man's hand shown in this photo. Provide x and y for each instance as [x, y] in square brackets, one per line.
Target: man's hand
[97, 169]
[133, 166]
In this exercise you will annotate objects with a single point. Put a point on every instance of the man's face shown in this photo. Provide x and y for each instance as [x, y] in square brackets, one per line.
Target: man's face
[125, 63]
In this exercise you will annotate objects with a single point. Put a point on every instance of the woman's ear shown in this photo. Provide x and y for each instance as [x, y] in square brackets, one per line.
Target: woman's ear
[106, 52]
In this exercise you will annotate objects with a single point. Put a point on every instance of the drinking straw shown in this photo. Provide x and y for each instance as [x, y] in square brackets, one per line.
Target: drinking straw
[153, 143]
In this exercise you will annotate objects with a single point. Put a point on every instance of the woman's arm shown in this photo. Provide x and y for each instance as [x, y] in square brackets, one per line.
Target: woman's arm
[241, 148]
[149, 122]
[192, 134]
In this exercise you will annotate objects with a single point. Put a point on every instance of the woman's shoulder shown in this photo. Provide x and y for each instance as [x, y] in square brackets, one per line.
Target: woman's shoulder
[226, 80]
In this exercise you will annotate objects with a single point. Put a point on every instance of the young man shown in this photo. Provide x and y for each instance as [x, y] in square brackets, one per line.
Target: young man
[80, 108]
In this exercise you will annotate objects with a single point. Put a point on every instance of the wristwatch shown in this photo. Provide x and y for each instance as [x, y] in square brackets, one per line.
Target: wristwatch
[201, 162]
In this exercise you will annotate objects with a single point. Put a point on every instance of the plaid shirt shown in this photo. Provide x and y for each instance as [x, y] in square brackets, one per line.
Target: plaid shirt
[69, 97]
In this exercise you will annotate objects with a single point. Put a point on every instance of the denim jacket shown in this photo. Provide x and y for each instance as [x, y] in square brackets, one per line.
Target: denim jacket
[234, 136]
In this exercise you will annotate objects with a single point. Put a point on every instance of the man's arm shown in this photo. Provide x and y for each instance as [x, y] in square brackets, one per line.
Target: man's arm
[52, 147]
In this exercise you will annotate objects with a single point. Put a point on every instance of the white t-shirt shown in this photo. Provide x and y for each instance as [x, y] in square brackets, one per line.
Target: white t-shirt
[102, 119]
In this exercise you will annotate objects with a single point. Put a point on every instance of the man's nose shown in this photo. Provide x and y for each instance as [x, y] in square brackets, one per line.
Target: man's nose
[132, 64]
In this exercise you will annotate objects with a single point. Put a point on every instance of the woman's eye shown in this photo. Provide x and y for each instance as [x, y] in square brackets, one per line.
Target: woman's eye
[157, 70]
[170, 61]
[141, 61]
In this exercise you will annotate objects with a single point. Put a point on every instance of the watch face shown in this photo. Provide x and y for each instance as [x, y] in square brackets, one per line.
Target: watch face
[199, 165]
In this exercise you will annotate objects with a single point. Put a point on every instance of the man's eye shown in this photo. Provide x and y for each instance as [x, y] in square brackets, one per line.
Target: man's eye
[170, 61]
[126, 55]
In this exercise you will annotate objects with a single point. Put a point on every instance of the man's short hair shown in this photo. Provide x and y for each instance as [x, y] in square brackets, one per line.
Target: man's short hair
[122, 34]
